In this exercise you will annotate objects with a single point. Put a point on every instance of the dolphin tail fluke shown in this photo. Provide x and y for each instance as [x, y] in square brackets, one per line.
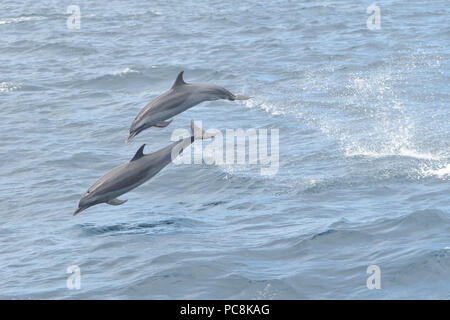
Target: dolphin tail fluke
[198, 133]
[240, 97]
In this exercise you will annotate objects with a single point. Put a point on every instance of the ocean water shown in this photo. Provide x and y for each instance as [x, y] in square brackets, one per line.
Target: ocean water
[364, 150]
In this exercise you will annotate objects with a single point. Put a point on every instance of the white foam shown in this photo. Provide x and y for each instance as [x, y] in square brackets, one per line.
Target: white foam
[383, 153]
[267, 107]
[125, 71]
[20, 19]
[8, 86]
[441, 173]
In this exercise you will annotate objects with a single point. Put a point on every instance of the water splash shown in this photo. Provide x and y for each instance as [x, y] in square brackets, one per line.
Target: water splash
[9, 86]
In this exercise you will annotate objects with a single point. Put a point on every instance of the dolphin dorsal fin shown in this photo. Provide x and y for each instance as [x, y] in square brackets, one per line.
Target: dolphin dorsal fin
[139, 154]
[179, 81]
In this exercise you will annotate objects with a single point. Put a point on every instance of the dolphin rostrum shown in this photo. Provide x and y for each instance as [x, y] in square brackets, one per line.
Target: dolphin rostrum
[130, 175]
[177, 99]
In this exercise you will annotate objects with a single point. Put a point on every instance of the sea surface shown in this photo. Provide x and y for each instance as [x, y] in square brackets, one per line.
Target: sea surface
[364, 150]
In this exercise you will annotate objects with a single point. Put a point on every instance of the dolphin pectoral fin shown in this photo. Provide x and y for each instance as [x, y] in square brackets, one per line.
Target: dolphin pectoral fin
[162, 124]
[240, 97]
[116, 202]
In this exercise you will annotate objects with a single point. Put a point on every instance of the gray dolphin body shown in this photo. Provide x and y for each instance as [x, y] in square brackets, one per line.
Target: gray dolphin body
[179, 98]
[130, 175]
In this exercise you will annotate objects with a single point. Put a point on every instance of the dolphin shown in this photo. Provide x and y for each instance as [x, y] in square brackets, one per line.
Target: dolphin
[140, 169]
[180, 97]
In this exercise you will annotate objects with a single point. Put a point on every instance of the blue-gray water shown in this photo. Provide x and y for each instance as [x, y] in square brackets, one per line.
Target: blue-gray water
[364, 175]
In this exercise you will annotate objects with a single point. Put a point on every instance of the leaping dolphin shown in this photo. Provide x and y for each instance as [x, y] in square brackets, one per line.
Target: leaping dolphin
[177, 99]
[130, 175]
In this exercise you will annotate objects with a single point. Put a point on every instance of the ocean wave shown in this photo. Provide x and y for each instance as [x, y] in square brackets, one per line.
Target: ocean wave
[426, 164]
[347, 181]
[332, 237]
[122, 228]
[63, 49]
[441, 172]
[125, 78]
[344, 233]
[137, 228]
[428, 269]
[413, 222]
